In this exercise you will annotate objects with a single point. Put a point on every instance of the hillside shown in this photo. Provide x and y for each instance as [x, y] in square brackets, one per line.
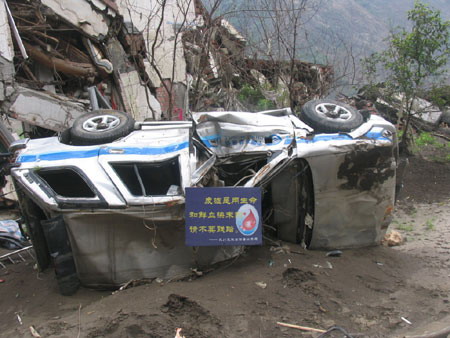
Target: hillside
[359, 24]
[365, 23]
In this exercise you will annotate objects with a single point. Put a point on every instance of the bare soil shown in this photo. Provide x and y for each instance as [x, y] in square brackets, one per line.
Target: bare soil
[366, 291]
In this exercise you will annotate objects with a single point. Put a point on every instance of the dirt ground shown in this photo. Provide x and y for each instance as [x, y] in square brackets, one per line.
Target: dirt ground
[366, 291]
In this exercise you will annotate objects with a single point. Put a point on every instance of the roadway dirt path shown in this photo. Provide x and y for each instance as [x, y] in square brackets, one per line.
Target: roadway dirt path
[366, 291]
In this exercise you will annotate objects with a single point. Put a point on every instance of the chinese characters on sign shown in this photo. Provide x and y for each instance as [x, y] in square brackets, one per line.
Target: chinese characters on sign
[223, 216]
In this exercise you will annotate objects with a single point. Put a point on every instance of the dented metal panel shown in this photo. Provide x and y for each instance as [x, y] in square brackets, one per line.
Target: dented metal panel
[354, 179]
[354, 196]
[111, 248]
[228, 133]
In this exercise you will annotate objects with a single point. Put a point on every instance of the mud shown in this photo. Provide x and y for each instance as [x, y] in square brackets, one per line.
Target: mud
[366, 291]
[295, 277]
[364, 169]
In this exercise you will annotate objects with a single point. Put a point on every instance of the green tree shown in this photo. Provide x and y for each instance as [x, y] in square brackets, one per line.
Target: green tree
[414, 57]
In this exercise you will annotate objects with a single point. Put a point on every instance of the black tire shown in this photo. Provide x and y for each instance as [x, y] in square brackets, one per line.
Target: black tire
[90, 128]
[330, 116]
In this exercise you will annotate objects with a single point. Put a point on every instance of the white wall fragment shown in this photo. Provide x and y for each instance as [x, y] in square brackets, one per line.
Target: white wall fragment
[48, 111]
[6, 43]
[146, 17]
[80, 15]
[138, 99]
[98, 4]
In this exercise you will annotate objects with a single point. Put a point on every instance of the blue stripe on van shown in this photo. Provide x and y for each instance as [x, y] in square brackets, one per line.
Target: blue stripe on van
[79, 154]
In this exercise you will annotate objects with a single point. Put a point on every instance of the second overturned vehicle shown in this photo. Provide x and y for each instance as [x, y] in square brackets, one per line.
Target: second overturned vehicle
[104, 202]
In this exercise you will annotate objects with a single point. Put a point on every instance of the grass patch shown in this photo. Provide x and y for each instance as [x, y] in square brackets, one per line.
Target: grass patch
[432, 147]
[441, 159]
[429, 224]
[427, 139]
[405, 227]
[254, 97]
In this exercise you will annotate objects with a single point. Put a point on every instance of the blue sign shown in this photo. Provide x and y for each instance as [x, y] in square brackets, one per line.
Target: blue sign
[223, 216]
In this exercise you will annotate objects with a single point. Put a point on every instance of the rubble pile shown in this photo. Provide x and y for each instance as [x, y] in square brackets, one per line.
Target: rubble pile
[156, 61]
[220, 67]
[426, 116]
[59, 53]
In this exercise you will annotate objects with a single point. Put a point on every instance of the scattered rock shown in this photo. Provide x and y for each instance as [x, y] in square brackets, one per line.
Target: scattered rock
[262, 285]
[393, 238]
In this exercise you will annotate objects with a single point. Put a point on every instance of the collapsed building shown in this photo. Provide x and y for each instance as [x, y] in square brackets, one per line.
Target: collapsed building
[153, 60]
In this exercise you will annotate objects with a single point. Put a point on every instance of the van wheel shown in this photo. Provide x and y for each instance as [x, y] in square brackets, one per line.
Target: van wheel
[100, 126]
[330, 116]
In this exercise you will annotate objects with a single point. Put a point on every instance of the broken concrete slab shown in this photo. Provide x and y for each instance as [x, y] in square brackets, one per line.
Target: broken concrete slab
[426, 111]
[138, 99]
[46, 110]
[6, 52]
[136, 95]
[82, 16]
[6, 70]
[6, 42]
[118, 57]
[45, 75]
[148, 18]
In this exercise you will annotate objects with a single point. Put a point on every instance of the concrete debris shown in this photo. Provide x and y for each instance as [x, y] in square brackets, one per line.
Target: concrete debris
[6, 43]
[425, 115]
[45, 109]
[82, 16]
[427, 112]
[262, 285]
[393, 238]
[137, 98]
[155, 62]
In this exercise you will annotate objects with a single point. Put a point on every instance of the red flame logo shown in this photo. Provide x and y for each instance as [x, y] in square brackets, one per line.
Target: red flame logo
[249, 221]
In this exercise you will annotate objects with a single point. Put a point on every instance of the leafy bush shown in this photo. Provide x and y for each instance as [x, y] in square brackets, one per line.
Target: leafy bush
[426, 139]
[254, 98]
[440, 96]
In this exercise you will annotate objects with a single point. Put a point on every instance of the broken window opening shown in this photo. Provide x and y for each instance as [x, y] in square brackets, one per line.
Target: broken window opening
[150, 179]
[234, 170]
[66, 183]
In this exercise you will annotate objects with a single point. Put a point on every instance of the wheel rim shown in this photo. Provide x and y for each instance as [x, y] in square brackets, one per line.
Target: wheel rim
[333, 111]
[101, 123]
